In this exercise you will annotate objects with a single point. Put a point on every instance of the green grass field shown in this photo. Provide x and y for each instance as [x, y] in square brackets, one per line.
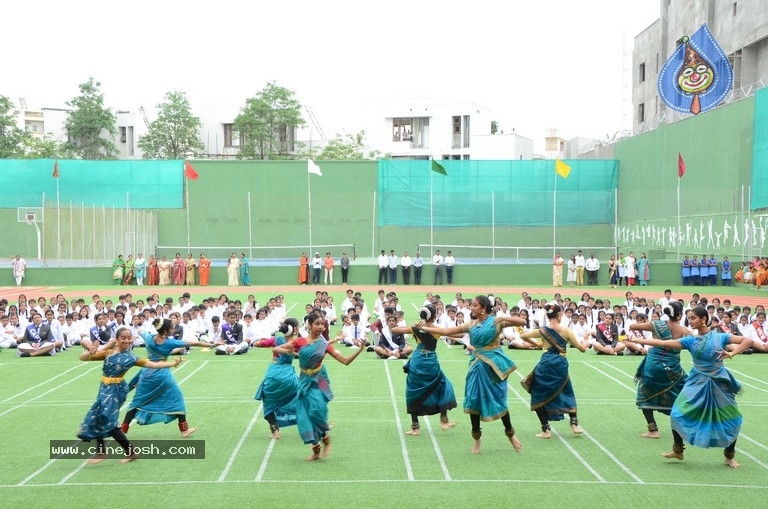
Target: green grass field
[373, 464]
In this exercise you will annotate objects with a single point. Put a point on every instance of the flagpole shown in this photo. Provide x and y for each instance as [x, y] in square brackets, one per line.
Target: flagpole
[431, 216]
[554, 219]
[186, 190]
[309, 203]
[678, 218]
[58, 223]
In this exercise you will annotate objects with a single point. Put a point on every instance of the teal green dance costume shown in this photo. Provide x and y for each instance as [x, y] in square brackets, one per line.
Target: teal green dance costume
[427, 390]
[551, 389]
[659, 377]
[705, 412]
[277, 391]
[485, 392]
[313, 393]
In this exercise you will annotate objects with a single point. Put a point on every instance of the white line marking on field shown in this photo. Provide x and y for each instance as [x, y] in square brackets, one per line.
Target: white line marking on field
[614, 458]
[443, 466]
[239, 445]
[741, 451]
[263, 467]
[628, 387]
[48, 391]
[578, 456]
[400, 432]
[41, 384]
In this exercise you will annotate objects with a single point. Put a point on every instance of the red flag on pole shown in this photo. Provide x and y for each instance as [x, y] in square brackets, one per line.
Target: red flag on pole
[680, 166]
[56, 169]
[189, 171]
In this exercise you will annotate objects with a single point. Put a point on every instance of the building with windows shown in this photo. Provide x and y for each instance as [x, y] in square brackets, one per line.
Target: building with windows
[739, 26]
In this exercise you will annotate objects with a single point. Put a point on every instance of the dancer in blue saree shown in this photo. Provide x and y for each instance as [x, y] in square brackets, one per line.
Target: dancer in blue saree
[550, 384]
[158, 397]
[314, 388]
[659, 377]
[277, 391]
[101, 421]
[485, 391]
[705, 412]
[427, 390]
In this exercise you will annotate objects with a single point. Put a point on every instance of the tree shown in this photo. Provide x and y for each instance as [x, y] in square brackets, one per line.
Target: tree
[494, 127]
[44, 148]
[11, 136]
[348, 147]
[176, 132]
[89, 123]
[267, 123]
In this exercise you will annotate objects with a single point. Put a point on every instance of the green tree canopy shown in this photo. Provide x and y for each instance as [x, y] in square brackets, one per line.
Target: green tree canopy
[350, 146]
[267, 123]
[176, 132]
[11, 136]
[90, 126]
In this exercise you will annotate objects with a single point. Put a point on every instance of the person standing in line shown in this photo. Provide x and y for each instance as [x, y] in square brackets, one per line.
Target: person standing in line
[643, 270]
[328, 269]
[189, 269]
[405, 264]
[101, 421]
[204, 266]
[304, 269]
[233, 269]
[485, 390]
[712, 270]
[694, 270]
[613, 271]
[344, 264]
[580, 264]
[317, 267]
[450, 262]
[631, 268]
[383, 267]
[245, 270]
[179, 270]
[705, 412]
[140, 266]
[164, 268]
[557, 270]
[19, 269]
[725, 275]
[592, 266]
[549, 384]
[153, 271]
[437, 264]
[118, 267]
[392, 266]
[659, 377]
[571, 276]
[418, 265]
[129, 270]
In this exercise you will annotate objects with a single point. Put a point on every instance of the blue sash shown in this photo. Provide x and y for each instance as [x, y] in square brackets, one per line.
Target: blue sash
[34, 333]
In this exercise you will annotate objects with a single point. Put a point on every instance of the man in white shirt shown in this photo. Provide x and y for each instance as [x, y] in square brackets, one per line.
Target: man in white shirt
[580, 264]
[592, 266]
[392, 265]
[666, 299]
[449, 261]
[405, 264]
[437, 263]
[383, 267]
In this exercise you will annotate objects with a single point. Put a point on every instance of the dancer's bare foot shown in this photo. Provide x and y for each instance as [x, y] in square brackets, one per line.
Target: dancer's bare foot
[447, 425]
[515, 443]
[651, 434]
[276, 434]
[576, 429]
[313, 457]
[326, 450]
[133, 457]
[413, 432]
[732, 463]
[185, 434]
[97, 459]
[673, 455]
[476, 447]
[544, 434]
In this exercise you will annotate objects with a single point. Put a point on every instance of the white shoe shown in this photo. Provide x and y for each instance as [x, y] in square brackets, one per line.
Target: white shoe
[392, 358]
[354, 346]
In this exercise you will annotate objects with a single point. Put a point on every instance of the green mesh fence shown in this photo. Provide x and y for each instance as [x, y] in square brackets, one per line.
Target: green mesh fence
[498, 193]
[760, 152]
[119, 184]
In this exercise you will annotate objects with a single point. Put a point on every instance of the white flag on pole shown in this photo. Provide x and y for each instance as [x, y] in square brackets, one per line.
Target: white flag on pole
[313, 168]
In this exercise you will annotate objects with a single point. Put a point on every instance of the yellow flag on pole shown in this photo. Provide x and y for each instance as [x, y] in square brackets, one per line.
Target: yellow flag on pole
[562, 169]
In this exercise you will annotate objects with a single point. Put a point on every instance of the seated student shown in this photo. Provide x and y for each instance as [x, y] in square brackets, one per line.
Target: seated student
[512, 334]
[355, 333]
[232, 341]
[758, 332]
[38, 339]
[636, 348]
[8, 337]
[136, 328]
[581, 329]
[213, 334]
[607, 338]
[99, 334]
[392, 346]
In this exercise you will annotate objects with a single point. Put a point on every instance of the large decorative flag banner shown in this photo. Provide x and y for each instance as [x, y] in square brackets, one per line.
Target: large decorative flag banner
[697, 76]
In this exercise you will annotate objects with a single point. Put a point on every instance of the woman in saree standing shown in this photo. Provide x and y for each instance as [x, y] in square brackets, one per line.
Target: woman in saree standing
[427, 390]
[101, 421]
[141, 269]
[189, 266]
[204, 266]
[304, 269]
[557, 270]
[705, 412]
[659, 377]
[179, 270]
[129, 272]
[245, 270]
[314, 390]
[158, 397]
[643, 270]
[233, 268]
[550, 384]
[485, 391]
[153, 271]
[613, 271]
[118, 269]
[164, 268]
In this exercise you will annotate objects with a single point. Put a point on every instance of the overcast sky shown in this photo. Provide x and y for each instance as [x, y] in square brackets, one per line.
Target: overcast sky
[536, 64]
